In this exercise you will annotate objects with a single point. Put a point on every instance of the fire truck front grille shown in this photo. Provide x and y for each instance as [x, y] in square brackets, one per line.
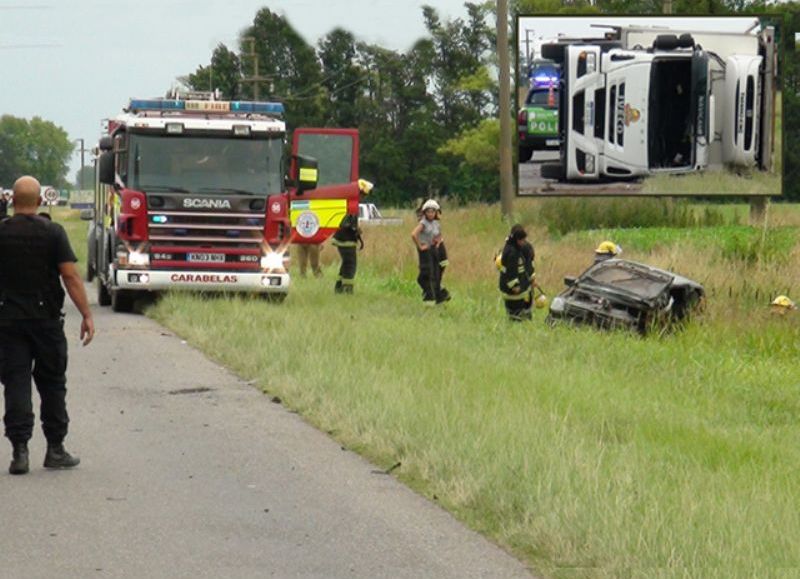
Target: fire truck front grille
[184, 228]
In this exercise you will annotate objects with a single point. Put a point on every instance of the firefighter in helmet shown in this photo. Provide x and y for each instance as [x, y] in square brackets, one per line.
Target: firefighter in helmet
[606, 250]
[345, 240]
[517, 277]
[782, 305]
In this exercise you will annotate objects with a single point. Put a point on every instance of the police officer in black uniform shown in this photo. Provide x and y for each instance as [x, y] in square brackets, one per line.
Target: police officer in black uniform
[345, 240]
[34, 254]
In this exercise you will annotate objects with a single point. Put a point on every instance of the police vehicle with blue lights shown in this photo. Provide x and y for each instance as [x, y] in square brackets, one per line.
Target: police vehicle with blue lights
[537, 120]
[195, 193]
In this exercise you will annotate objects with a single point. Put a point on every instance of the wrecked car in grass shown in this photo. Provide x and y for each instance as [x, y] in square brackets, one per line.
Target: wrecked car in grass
[617, 293]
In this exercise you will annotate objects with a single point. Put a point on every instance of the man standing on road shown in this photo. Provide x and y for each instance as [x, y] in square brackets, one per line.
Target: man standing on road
[34, 253]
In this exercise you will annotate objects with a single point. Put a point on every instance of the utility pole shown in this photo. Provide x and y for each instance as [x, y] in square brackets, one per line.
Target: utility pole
[256, 78]
[82, 151]
[506, 176]
[528, 58]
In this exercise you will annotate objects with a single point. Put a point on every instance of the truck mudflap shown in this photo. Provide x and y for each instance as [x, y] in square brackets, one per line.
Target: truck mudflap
[159, 280]
[740, 137]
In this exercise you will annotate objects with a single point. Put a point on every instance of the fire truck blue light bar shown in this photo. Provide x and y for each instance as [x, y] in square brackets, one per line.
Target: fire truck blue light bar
[258, 107]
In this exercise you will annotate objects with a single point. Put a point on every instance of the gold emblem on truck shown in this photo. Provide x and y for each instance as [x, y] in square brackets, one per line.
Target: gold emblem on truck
[631, 114]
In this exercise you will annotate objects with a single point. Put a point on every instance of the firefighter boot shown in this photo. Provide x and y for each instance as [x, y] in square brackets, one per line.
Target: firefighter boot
[19, 459]
[338, 287]
[58, 457]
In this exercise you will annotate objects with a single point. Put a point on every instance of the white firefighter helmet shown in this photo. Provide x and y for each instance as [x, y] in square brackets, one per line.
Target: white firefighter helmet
[431, 204]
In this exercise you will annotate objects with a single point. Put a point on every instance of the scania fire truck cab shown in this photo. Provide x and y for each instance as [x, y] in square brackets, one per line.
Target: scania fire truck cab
[191, 193]
[673, 107]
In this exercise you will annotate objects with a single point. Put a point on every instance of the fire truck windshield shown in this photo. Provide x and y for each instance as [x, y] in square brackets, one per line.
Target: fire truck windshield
[205, 164]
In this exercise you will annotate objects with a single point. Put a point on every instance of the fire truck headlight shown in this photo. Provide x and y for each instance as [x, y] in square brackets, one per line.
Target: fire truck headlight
[272, 260]
[138, 259]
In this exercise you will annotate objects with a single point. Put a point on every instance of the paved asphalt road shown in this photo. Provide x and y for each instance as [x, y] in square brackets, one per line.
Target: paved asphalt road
[531, 182]
[187, 471]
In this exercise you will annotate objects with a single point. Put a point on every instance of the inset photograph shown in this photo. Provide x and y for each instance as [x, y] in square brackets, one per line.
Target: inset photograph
[648, 106]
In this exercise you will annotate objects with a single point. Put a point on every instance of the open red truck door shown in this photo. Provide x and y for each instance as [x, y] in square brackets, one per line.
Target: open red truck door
[315, 214]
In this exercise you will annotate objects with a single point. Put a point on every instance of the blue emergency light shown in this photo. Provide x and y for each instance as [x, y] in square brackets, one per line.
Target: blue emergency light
[258, 107]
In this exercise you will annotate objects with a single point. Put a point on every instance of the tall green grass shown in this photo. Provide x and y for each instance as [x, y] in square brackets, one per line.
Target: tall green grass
[582, 452]
[587, 454]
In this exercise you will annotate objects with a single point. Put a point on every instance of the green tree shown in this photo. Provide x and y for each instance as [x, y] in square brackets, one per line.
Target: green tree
[224, 73]
[342, 78]
[290, 65]
[36, 147]
[84, 177]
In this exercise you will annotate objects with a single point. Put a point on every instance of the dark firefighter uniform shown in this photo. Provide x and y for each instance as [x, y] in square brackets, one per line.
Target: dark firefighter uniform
[346, 239]
[31, 325]
[516, 272]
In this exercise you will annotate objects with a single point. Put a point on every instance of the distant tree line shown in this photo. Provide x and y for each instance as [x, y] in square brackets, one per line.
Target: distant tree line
[420, 113]
[36, 147]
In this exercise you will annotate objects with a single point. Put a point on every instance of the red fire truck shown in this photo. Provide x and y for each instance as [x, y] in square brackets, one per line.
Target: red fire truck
[197, 193]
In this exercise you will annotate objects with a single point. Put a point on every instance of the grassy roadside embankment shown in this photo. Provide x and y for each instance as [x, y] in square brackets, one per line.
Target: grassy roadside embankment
[584, 453]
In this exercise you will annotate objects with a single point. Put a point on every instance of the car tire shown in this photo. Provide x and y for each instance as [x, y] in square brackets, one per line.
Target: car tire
[103, 297]
[525, 154]
[552, 171]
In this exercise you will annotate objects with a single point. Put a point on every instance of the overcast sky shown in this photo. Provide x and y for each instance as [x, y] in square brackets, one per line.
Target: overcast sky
[75, 62]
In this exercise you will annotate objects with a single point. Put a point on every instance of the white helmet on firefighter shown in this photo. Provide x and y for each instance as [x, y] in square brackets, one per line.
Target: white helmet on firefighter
[431, 204]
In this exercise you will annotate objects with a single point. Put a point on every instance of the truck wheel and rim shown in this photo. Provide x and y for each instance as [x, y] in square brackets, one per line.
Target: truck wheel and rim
[121, 301]
[525, 154]
[103, 297]
[552, 171]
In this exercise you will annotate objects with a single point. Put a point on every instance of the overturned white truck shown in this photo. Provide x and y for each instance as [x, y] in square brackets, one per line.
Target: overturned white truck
[646, 100]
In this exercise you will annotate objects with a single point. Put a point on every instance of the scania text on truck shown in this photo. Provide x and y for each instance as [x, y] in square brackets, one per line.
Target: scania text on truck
[196, 193]
[655, 101]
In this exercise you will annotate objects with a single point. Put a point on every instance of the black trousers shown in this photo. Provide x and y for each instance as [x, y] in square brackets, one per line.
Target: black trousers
[430, 274]
[519, 310]
[34, 349]
[347, 271]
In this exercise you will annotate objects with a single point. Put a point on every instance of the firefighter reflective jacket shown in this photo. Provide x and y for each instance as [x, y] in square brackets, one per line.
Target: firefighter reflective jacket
[349, 233]
[516, 269]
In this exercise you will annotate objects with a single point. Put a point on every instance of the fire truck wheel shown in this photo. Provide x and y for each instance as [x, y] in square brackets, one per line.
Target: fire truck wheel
[121, 301]
[103, 297]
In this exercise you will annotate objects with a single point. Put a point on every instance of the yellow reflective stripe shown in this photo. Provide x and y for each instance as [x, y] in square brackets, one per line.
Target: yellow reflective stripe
[308, 174]
[329, 212]
[513, 283]
[516, 297]
[444, 262]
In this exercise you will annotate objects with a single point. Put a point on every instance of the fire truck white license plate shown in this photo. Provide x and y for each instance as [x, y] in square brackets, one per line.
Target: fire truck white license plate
[206, 257]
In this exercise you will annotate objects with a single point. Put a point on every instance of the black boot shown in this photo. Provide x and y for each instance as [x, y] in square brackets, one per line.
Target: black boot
[338, 287]
[58, 457]
[19, 458]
